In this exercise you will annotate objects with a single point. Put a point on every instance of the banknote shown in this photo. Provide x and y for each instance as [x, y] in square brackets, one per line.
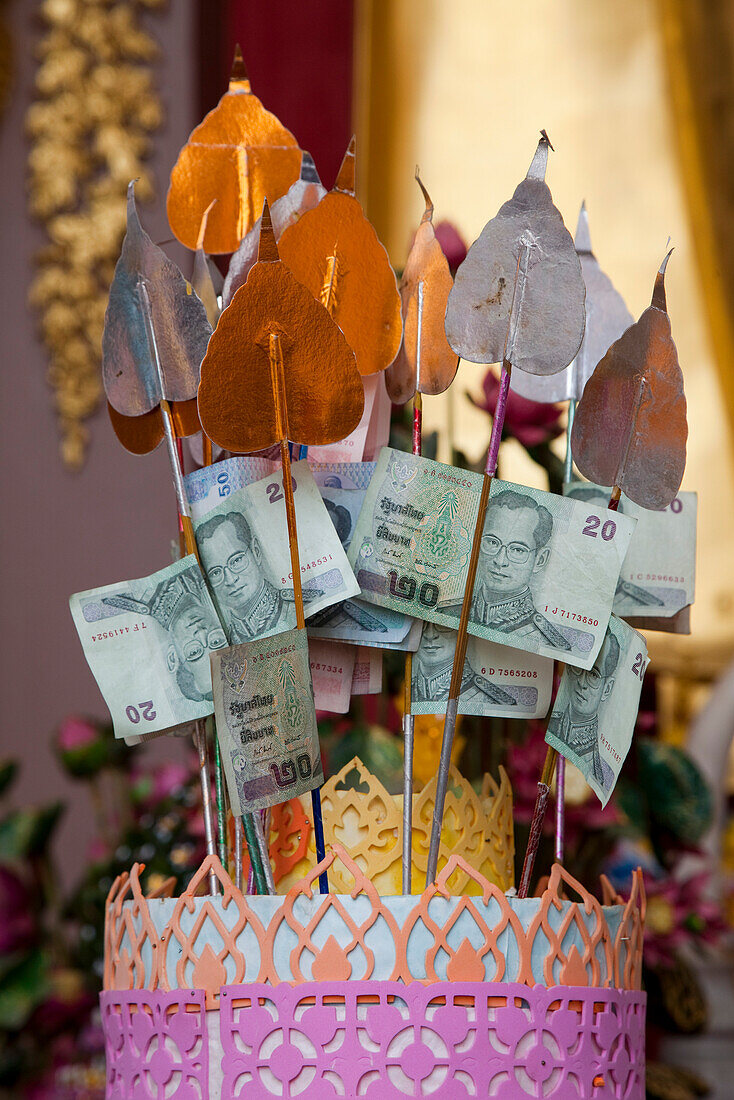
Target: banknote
[244, 550]
[356, 621]
[332, 669]
[548, 566]
[367, 675]
[498, 681]
[212, 485]
[266, 720]
[595, 710]
[342, 475]
[147, 643]
[659, 571]
[378, 429]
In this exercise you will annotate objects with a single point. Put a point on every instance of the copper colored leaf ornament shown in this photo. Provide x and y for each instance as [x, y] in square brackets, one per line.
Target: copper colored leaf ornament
[607, 317]
[150, 302]
[334, 251]
[301, 196]
[238, 155]
[425, 362]
[263, 378]
[630, 428]
[525, 250]
[142, 434]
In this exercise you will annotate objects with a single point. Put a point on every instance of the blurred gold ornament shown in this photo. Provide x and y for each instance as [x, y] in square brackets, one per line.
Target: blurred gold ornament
[89, 126]
[361, 815]
[427, 746]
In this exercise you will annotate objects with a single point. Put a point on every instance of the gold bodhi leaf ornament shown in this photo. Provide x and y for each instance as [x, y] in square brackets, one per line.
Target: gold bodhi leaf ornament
[630, 429]
[263, 378]
[334, 251]
[142, 434]
[239, 155]
[425, 362]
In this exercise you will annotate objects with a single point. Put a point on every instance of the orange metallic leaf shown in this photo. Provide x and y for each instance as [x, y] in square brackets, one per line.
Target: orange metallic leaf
[238, 155]
[425, 361]
[142, 434]
[263, 377]
[630, 428]
[334, 251]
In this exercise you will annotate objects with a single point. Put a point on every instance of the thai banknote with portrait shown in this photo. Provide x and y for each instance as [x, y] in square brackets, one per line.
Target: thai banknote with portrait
[147, 643]
[356, 621]
[244, 550]
[658, 574]
[595, 710]
[211, 485]
[266, 720]
[498, 681]
[548, 566]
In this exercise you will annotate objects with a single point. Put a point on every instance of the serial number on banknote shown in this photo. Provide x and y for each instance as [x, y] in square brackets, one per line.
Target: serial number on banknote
[520, 672]
[307, 566]
[573, 615]
[317, 667]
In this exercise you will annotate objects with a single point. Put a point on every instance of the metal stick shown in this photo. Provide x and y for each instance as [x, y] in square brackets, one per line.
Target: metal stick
[238, 853]
[560, 838]
[187, 530]
[206, 797]
[253, 849]
[275, 354]
[457, 672]
[221, 813]
[257, 823]
[408, 719]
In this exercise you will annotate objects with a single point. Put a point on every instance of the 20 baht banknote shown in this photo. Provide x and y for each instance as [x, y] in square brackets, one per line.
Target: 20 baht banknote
[498, 681]
[147, 643]
[595, 710]
[659, 571]
[244, 549]
[548, 566]
[266, 720]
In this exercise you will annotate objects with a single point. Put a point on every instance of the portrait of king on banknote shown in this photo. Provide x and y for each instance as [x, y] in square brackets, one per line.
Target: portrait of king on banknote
[250, 605]
[595, 710]
[181, 606]
[513, 553]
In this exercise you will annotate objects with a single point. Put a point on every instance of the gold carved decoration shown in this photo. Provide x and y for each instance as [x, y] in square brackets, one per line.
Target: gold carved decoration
[95, 108]
[363, 817]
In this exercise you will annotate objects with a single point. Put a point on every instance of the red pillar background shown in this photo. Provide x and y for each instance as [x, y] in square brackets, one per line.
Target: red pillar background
[298, 55]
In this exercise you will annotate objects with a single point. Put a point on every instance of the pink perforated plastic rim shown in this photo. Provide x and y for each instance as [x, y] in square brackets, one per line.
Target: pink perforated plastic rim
[377, 1039]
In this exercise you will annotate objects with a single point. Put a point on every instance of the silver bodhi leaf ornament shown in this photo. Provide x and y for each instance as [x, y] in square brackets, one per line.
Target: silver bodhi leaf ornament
[607, 317]
[524, 253]
[156, 329]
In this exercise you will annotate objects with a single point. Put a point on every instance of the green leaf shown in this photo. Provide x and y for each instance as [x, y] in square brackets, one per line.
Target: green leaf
[22, 989]
[8, 772]
[25, 833]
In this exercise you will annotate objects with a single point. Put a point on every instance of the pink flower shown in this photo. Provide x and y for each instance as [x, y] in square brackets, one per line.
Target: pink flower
[18, 927]
[452, 243]
[529, 422]
[679, 912]
[75, 733]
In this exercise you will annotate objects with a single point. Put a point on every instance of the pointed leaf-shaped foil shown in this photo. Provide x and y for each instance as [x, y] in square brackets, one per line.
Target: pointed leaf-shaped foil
[550, 307]
[142, 434]
[334, 251]
[178, 320]
[607, 317]
[303, 195]
[425, 361]
[238, 155]
[630, 428]
[238, 406]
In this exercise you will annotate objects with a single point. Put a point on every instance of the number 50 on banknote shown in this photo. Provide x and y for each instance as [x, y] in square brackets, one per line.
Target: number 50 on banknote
[548, 566]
